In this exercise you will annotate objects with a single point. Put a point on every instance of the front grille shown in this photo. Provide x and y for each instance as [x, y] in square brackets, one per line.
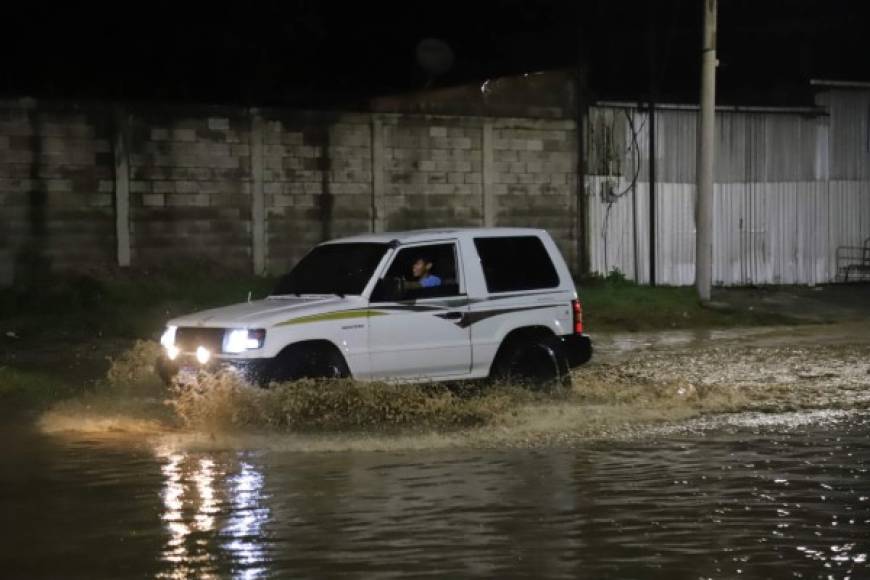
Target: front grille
[189, 338]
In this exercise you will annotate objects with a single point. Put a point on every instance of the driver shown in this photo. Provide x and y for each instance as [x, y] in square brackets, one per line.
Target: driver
[421, 270]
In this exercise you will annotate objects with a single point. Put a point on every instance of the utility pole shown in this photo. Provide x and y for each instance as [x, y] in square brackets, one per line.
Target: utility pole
[704, 172]
[653, 81]
[581, 95]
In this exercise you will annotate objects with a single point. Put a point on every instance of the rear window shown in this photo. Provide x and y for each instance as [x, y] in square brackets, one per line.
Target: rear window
[517, 263]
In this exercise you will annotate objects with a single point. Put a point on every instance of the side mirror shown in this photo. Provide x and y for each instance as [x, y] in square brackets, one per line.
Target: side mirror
[389, 290]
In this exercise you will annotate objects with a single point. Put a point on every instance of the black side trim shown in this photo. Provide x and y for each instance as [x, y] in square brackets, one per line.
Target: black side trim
[470, 318]
[410, 308]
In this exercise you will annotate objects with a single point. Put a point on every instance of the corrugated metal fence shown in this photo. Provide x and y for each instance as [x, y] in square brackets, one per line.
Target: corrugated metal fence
[791, 187]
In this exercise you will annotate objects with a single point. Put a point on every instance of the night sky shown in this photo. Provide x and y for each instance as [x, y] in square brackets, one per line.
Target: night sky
[333, 54]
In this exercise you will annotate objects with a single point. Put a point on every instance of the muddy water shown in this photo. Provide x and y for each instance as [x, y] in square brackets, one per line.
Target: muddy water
[727, 455]
[751, 496]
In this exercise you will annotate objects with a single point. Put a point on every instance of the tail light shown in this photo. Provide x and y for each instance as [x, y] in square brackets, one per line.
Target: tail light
[577, 309]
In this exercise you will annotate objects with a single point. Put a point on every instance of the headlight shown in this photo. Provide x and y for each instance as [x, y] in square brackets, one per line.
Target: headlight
[168, 338]
[240, 339]
[202, 355]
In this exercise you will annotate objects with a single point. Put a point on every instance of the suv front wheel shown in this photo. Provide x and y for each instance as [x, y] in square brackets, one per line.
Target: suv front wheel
[308, 361]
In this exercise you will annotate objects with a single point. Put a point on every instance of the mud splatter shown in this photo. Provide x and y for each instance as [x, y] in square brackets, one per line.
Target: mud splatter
[621, 397]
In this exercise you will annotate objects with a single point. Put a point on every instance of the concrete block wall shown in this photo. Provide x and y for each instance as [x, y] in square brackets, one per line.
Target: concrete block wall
[254, 190]
[190, 186]
[534, 180]
[317, 181]
[432, 172]
[56, 186]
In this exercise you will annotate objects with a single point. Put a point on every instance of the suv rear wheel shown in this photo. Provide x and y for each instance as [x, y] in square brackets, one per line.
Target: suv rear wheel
[538, 363]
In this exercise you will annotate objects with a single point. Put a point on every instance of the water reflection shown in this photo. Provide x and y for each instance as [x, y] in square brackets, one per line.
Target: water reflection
[749, 496]
[245, 525]
[213, 516]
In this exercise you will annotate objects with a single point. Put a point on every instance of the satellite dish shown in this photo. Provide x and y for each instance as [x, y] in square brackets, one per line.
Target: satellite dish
[434, 56]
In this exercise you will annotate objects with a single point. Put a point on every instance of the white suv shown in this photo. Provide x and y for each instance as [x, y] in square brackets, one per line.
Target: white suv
[497, 302]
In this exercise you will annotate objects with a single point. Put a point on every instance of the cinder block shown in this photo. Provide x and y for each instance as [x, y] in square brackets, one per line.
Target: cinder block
[210, 187]
[200, 174]
[229, 201]
[163, 187]
[218, 123]
[291, 163]
[280, 200]
[350, 189]
[99, 200]
[160, 134]
[438, 131]
[293, 188]
[189, 200]
[292, 138]
[140, 187]
[22, 157]
[187, 187]
[218, 149]
[58, 186]
[153, 200]
[526, 178]
[184, 135]
[53, 145]
[224, 162]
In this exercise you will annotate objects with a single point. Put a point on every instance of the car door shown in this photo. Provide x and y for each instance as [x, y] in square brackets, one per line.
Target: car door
[422, 334]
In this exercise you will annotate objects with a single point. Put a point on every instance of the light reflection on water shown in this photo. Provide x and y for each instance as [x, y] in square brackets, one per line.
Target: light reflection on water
[244, 528]
[207, 511]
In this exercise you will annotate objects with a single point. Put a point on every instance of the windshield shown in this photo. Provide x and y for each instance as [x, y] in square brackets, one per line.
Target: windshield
[333, 269]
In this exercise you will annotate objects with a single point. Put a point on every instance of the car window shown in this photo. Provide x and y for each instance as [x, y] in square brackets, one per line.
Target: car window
[343, 268]
[516, 263]
[440, 281]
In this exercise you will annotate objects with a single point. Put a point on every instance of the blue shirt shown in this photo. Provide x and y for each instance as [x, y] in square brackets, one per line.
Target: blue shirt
[430, 281]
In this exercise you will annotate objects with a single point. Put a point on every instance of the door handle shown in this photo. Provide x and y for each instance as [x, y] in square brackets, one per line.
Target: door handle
[453, 315]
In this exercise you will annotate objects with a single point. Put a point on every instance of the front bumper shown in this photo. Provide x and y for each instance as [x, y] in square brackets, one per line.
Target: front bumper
[254, 370]
[577, 348]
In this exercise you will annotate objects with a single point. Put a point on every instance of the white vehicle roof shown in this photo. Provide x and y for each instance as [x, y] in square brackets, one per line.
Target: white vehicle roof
[433, 234]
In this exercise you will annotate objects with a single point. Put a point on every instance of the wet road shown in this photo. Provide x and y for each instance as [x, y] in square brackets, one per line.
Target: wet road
[753, 496]
[778, 494]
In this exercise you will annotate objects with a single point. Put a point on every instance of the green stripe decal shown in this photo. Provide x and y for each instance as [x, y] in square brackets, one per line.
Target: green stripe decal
[339, 315]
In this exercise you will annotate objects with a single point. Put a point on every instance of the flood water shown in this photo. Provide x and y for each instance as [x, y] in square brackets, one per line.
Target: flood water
[749, 458]
[747, 495]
